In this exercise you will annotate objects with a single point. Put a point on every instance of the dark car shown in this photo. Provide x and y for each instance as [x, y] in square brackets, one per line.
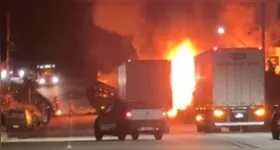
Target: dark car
[120, 120]
[275, 122]
[21, 119]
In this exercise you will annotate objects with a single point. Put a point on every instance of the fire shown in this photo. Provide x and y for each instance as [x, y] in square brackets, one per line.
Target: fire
[183, 76]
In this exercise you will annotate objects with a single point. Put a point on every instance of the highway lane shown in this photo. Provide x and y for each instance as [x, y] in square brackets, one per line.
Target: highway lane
[58, 134]
[193, 141]
[82, 125]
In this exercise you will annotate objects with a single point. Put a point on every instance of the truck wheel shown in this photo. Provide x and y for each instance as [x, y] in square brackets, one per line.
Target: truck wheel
[199, 129]
[275, 135]
[245, 129]
[135, 135]
[158, 135]
[97, 131]
[208, 129]
[234, 129]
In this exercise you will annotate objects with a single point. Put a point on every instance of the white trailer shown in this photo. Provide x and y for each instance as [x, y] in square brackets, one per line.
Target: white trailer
[229, 88]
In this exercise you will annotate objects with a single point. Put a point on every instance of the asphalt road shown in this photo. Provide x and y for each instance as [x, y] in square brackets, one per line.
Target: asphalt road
[77, 132]
[173, 141]
[58, 135]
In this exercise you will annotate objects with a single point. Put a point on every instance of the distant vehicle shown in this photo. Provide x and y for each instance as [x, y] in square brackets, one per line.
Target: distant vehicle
[21, 119]
[229, 89]
[275, 122]
[145, 91]
[47, 75]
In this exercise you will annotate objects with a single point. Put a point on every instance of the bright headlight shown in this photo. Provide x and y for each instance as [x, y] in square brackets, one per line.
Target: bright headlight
[42, 81]
[21, 73]
[55, 79]
[4, 74]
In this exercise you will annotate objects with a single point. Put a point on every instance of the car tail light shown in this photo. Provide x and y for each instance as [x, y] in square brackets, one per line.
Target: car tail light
[260, 112]
[218, 113]
[198, 118]
[128, 114]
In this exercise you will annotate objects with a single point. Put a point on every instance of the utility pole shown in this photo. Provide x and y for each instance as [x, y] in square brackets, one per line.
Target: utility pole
[0, 90]
[0, 94]
[8, 49]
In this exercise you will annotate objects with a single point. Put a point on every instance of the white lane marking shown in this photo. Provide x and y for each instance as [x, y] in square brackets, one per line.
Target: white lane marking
[63, 139]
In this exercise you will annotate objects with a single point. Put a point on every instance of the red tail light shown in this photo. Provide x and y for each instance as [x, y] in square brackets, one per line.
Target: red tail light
[128, 114]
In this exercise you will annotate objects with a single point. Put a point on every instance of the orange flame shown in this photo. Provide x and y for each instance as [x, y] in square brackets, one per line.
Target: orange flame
[183, 76]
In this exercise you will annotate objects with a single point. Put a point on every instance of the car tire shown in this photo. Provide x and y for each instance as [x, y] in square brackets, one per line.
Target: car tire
[97, 132]
[121, 136]
[158, 135]
[135, 135]
[275, 135]
[120, 132]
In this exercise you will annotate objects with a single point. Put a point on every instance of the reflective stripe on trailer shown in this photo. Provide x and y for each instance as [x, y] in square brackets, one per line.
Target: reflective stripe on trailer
[219, 124]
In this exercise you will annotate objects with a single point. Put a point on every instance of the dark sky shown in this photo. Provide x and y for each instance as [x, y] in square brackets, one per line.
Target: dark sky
[59, 31]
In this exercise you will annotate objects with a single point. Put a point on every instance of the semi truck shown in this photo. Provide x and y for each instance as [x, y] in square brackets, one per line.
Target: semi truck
[229, 89]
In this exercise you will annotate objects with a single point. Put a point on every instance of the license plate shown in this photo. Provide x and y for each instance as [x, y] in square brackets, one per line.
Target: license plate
[15, 126]
[147, 128]
[239, 115]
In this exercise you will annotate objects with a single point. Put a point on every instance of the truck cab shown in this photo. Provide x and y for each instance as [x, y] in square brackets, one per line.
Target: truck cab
[230, 89]
[47, 75]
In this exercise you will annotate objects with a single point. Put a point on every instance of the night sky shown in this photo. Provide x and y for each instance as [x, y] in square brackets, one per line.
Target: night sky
[60, 32]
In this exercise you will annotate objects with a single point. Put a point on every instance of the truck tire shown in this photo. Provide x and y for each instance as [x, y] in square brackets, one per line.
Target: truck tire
[135, 135]
[199, 129]
[275, 135]
[97, 131]
[245, 129]
[234, 129]
[158, 135]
